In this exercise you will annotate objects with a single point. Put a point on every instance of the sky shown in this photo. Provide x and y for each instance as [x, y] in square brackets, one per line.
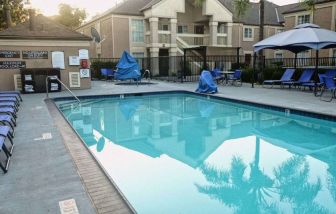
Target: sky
[94, 7]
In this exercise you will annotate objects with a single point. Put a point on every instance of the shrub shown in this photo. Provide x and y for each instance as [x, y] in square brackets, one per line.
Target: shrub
[97, 65]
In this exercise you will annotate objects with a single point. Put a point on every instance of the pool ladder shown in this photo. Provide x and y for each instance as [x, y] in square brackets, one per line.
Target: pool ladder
[58, 80]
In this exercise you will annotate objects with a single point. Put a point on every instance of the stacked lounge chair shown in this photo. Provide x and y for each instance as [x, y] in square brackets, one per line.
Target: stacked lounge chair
[286, 77]
[9, 106]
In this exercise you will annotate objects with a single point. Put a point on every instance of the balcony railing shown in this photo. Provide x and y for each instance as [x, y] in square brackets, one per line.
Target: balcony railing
[195, 39]
[164, 37]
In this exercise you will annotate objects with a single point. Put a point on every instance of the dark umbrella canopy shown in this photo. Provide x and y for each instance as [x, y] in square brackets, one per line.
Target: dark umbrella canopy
[302, 37]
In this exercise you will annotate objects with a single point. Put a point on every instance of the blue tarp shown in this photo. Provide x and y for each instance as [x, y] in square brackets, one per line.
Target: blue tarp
[206, 83]
[127, 68]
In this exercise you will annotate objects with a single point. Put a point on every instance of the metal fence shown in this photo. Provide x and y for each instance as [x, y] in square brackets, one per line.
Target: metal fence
[188, 68]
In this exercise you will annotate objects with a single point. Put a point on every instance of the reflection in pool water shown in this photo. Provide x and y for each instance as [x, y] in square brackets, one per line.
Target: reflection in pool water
[181, 153]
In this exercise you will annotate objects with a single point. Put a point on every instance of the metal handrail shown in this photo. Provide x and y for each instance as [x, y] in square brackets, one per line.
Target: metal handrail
[56, 78]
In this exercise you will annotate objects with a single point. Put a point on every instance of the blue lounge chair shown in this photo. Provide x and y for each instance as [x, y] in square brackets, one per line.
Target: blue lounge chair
[236, 78]
[17, 93]
[329, 85]
[5, 134]
[304, 78]
[287, 76]
[8, 120]
[10, 99]
[206, 83]
[315, 85]
[9, 104]
[10, 95]
[9, 111]
[330, 73]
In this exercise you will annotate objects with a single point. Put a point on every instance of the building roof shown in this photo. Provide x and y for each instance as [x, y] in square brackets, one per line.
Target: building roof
[135, 7]
[298, 7]
[45, 28]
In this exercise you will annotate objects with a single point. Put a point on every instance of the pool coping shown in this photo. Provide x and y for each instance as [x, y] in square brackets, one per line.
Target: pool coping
[49, 102]
[283, 109]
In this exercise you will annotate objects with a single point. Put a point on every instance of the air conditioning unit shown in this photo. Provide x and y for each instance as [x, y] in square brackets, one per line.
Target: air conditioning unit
[74, 79]
[17, 82]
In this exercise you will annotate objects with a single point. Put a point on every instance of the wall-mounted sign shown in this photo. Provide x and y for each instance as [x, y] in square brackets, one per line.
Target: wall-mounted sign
[74, 60]
[84, 73]
[57, 58]
[83, 54]
[9, 54]
[12, 64]
[35, 54]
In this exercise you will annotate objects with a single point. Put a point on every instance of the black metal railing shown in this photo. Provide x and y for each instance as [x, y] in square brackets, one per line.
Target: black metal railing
[188, 68]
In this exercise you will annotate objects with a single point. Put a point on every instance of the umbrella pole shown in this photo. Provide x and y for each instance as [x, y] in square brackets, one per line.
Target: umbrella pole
[295, 61]
[316, 69]
[254, 68]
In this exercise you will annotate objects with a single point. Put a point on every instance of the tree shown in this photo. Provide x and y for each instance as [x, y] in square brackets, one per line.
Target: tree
[309, 5]
[12, 12]
[70, 17]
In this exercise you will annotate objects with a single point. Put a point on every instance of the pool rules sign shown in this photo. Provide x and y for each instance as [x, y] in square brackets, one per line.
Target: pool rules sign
[12, 64]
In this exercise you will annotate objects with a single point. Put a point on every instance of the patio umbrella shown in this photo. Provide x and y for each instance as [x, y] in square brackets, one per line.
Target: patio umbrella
[302, 37]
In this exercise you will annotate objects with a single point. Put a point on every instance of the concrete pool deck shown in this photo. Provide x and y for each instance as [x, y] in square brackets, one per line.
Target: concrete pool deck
[50, 164]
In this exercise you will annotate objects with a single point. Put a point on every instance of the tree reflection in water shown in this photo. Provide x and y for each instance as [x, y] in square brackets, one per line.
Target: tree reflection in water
[249, 190]
[246, 194]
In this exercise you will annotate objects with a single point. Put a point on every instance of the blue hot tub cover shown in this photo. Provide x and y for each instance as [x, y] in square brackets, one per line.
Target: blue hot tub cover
[206, 83]
[127, 68]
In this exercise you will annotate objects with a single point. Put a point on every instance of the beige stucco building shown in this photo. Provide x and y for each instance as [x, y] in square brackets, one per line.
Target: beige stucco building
[152, 28]
[40, 37]
[324, 16]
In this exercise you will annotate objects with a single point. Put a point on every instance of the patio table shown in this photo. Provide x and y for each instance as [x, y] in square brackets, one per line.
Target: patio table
[226, 73]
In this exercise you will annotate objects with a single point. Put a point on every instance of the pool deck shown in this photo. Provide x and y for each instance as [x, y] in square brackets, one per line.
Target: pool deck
[46, 170]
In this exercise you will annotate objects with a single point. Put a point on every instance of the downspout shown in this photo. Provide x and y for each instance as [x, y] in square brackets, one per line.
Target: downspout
[112, 37]
[8, 16]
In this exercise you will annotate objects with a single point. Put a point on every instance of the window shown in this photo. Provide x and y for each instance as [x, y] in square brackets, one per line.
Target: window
[182, 29]
[164, 27]
[303, 19]
[303, 54]
[278, 55]
[280, 30]
[221, 28]
[248, 33]
[138, 29]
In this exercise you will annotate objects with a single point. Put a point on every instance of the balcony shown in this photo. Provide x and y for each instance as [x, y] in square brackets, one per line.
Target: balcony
[164, 37]
[194, 39]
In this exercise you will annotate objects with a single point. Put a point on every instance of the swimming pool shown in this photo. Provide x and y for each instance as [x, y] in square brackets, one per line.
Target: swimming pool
[185, 153]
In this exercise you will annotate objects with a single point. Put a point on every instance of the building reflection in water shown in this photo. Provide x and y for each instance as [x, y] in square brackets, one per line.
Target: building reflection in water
[192, 130]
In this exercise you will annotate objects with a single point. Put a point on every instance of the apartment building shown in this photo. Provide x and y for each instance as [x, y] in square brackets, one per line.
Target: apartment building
[324, 15]
[152, 28]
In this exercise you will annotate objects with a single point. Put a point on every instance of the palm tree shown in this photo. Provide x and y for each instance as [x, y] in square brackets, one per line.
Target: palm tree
[8, 16]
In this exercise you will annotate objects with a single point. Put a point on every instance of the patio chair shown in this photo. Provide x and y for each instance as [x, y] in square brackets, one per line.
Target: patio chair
[329, 85]
[17, 93]
[217, 76]
[304, 78]
[9, 104]
[7, 120]
[11, 95]
[10, 99]
[330, 73]
[108, 73]
[235, 78]
[287, 76]
[9, 111]
[5, 134]
[315, 85]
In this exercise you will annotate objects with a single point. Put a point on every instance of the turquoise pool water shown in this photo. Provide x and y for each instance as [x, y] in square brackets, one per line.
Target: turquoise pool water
[183, 153]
